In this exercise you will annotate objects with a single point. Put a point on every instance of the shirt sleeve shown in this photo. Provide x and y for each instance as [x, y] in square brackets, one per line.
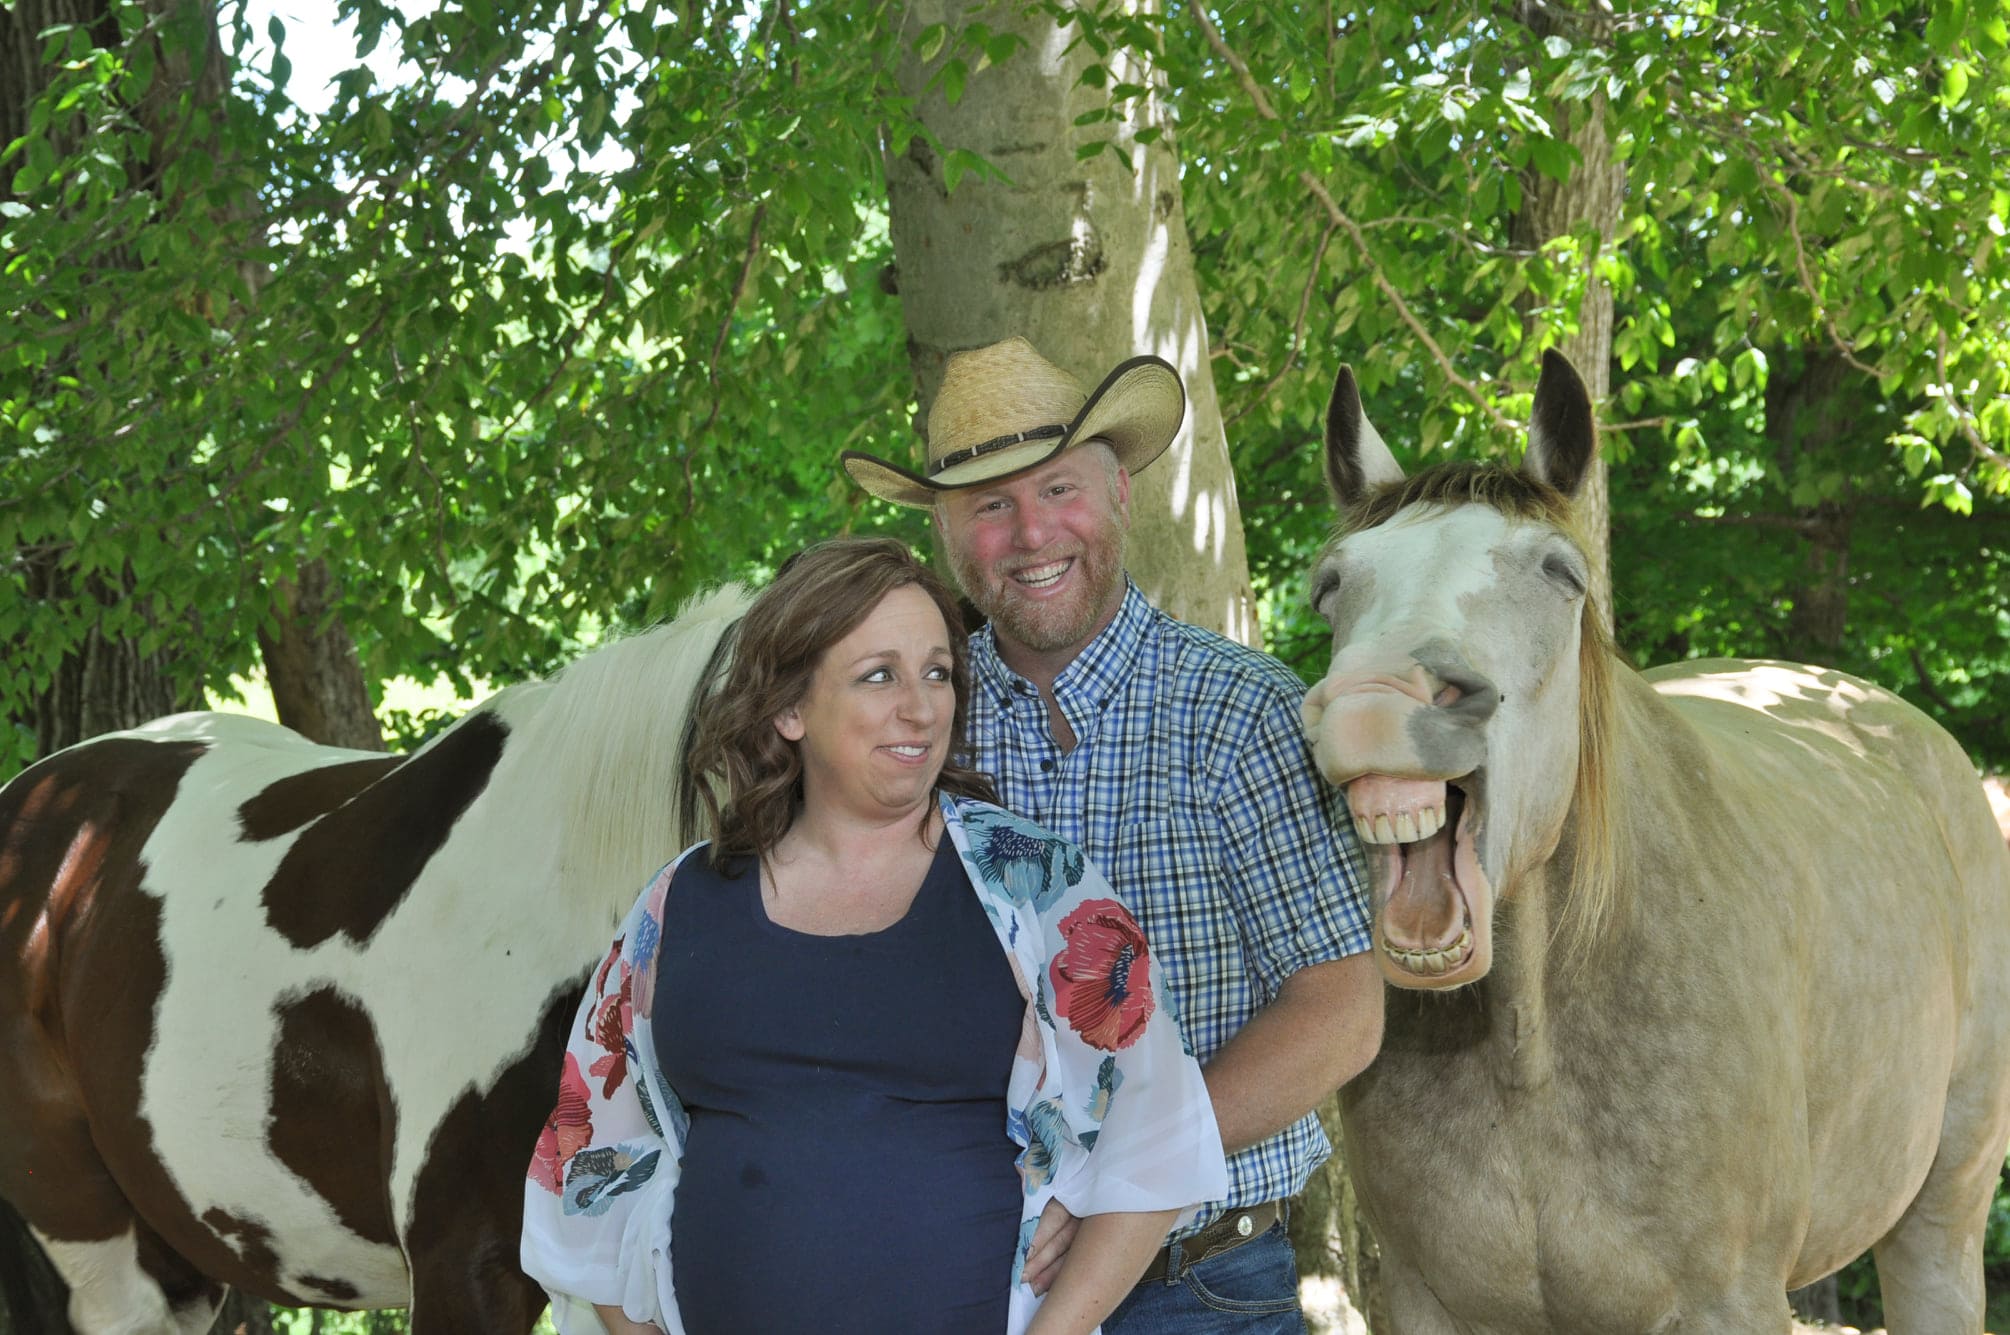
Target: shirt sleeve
[1292, 864]
[1124, 1114]
[596, 1220]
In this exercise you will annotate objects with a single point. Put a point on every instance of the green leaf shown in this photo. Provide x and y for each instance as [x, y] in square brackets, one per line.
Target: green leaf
[1551, 157]
[1954, 83]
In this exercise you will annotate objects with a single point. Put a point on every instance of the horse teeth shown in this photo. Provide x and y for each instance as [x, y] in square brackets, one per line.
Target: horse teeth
[1430, 821]
[1385, 833]
[1406, 828]
[1364, 830]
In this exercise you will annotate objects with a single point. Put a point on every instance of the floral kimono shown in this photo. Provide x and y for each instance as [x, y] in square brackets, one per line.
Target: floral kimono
[1104, 1097]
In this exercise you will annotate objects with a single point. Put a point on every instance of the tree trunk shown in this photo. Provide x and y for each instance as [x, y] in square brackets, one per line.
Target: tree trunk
[104, 683]
[1817, 1302]
[1088, 259]
[101, 683]
[1585, 204]
[1331, 1237]
[310, 663]
[1809, 405]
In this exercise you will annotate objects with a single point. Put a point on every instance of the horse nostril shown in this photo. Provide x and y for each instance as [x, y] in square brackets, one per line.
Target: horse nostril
[1468, 694]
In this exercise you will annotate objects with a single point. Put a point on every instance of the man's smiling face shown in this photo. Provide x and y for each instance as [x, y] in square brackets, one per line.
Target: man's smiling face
[1041, 553]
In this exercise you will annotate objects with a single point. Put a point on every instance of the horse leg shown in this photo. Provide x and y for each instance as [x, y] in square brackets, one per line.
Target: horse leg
[123, 1279]
[473, 1296]
[1413, 1308]
[112, 1292]
[1759, 1308]
[1929, 1266]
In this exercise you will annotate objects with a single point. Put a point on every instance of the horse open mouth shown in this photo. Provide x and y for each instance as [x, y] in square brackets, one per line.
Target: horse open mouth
[1431, 899]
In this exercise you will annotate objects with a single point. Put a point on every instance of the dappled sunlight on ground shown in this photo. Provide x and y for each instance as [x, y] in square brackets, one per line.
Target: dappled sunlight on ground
[1327, 1311]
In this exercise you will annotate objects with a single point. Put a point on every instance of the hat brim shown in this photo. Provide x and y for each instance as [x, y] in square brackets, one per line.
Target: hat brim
[1137, 409]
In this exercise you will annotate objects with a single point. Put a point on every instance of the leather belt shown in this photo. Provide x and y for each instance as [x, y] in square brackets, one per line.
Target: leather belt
[1225, 1234]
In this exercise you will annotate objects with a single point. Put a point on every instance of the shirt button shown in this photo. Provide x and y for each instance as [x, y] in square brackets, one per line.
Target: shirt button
[1047, 764]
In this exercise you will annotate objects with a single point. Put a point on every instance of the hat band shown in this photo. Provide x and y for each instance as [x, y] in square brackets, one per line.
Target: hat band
[949, 461]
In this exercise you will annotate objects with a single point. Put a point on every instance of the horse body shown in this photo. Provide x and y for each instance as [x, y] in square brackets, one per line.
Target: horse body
[1700, 983]
[293, 1015]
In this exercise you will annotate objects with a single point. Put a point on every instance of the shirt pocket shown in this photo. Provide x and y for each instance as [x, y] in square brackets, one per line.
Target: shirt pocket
[1169, 873]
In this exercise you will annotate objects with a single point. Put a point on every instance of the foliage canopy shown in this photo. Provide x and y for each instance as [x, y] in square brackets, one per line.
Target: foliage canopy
[571, 319]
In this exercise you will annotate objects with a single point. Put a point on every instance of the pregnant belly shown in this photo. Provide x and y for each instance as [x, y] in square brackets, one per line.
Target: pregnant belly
[903, 1216]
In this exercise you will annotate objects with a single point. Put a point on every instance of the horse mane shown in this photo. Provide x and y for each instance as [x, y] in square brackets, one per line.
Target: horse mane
[1594, 878]
[610, 733]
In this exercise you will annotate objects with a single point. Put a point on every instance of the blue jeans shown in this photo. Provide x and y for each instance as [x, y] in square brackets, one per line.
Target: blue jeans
[1250, 1290]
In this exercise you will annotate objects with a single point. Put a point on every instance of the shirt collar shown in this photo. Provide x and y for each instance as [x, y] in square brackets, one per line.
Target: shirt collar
[1098, 673]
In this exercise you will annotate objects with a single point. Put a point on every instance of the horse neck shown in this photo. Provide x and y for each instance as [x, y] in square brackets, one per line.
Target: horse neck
[595, 765]
[1538, 983]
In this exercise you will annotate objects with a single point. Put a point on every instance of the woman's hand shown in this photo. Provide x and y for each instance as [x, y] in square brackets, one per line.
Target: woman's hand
[618, 1322]
[1108, 1254]
[1051, 1240]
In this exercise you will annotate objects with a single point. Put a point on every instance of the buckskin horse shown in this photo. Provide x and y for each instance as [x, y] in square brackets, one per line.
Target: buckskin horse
[289, 1018]
[1701, 983]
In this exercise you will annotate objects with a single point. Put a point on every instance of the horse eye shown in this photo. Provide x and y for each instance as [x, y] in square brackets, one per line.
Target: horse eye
[1323, 589]
[1565, 572]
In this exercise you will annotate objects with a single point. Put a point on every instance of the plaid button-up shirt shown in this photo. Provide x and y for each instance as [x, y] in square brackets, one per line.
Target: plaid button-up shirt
[1192, 789]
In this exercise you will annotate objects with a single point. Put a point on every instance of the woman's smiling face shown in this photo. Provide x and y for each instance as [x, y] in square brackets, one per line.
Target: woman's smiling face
[874, 728]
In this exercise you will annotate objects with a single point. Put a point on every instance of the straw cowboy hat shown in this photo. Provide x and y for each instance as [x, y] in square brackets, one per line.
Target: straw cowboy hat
[1004, 409]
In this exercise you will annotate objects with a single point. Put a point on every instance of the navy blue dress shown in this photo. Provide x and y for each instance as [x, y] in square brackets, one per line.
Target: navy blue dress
[847, 1167]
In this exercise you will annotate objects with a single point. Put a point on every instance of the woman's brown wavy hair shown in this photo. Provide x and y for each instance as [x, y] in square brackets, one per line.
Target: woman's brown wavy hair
[747, 774]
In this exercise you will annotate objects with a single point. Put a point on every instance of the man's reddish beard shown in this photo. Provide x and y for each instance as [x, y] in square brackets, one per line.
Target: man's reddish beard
[1046, 627]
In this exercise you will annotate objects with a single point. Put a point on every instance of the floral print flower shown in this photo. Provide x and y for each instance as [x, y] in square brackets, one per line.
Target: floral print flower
[1027, 1227]
[1101, 984]
[1045, 1128]
[566, 1131]
[596, 1176]
[1024, 858]
[1013, 857]
[1108, 1077]
[607, 1026]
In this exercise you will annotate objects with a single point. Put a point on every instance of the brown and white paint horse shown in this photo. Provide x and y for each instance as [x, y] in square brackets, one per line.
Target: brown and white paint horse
[1703, 974]
[289, 1018]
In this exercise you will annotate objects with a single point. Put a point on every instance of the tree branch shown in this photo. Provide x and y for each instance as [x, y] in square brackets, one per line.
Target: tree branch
[1926, 686]
[1338, 218]
[1962, 417]
[719, 345]
[1297, 330]
[1807, 528]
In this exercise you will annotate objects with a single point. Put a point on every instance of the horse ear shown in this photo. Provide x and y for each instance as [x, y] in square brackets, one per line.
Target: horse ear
[1356, 458]
[1561, 436]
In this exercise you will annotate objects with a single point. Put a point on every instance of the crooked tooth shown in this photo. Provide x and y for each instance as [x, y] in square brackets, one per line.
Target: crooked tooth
[1406, 828]
[1385, 833]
